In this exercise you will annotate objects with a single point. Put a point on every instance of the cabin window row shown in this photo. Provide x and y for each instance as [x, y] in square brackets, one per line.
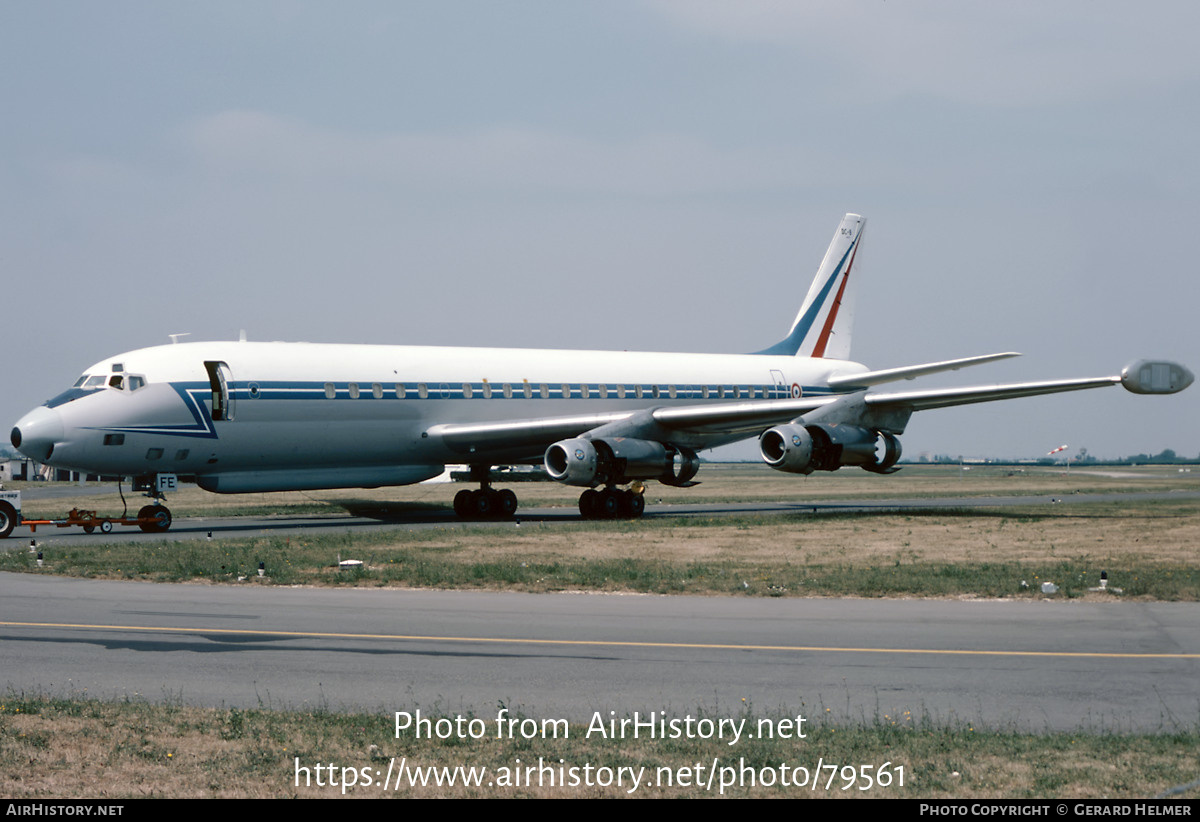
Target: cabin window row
[545, 391]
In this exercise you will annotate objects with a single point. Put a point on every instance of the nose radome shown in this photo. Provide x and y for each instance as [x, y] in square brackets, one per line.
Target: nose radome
[35, 433]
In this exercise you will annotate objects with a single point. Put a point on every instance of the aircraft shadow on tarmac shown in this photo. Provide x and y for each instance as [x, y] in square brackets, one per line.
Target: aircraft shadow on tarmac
[204, 643]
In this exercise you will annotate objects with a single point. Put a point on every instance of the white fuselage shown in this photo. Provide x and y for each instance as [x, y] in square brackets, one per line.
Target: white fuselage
[301, 407]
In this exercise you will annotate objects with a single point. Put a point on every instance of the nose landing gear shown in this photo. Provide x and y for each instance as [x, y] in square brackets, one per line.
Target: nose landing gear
[154, 519]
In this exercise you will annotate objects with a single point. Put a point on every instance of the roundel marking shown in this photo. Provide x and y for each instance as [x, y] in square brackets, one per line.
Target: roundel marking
[797, 391]
[796, 440]
[578, 453]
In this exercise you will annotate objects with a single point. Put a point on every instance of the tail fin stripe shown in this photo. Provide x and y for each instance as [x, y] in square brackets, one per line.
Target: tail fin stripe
[791, 343]
[819, 350]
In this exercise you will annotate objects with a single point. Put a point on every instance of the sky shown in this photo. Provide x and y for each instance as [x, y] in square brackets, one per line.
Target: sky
[636, 174]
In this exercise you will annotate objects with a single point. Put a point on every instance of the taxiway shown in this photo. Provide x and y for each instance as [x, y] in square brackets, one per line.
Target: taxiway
[1032, 665]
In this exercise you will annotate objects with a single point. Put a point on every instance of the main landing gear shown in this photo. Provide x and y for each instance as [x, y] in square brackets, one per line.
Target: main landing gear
[486, 502]
[612, 503]
[594, 503]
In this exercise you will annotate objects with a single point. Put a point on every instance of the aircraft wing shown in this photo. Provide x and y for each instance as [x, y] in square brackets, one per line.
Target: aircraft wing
[1140, 377]
[518, 434]
[697, 426]
[946, 397]
[710, 425]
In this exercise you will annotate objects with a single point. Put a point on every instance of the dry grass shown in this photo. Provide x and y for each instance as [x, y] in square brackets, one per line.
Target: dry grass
[1147, 546]
[84, 748]
[1168, 536]
[111, 751]
[719, 483]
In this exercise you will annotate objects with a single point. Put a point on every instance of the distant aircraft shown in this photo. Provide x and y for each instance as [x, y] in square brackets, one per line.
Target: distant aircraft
[241, 417]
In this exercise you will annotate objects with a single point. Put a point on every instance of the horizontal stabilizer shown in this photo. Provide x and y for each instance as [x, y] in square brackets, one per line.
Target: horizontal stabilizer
[910, 372]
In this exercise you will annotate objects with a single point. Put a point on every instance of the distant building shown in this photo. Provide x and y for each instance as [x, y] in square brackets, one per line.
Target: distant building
[16, 469]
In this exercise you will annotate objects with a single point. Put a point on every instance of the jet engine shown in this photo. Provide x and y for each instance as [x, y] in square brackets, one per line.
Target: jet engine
[802, 449]
[615, 460]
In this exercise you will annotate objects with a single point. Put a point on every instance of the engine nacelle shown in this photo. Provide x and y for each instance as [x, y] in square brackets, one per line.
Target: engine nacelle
[617, 460]
[574, 462]
[885, 463]
[800, 449]
[788, 448]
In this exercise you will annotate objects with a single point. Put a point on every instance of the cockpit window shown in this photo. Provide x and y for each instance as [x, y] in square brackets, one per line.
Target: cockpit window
[84, 386]
[90, 383]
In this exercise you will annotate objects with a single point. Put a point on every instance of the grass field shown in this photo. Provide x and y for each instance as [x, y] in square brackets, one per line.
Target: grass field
[82, 747]
[720, 482]
[1147, 547]
[65, 746]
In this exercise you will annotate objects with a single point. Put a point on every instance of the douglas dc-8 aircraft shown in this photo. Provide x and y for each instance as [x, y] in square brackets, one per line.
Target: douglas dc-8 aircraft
[241, 416]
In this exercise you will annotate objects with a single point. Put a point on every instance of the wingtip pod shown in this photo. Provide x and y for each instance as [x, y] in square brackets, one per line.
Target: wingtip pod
[1155, 377]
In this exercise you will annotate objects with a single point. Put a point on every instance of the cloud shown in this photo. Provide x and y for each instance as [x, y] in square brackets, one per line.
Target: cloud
[1013, 53]
[521, 159]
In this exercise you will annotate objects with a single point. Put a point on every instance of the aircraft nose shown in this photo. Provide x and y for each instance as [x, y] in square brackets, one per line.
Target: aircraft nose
[36, 433]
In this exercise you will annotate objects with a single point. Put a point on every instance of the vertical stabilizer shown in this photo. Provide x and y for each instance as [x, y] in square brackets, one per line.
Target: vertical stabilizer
[822, 328]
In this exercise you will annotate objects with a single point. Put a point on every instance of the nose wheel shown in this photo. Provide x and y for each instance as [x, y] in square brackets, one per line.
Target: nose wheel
[154, 519]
